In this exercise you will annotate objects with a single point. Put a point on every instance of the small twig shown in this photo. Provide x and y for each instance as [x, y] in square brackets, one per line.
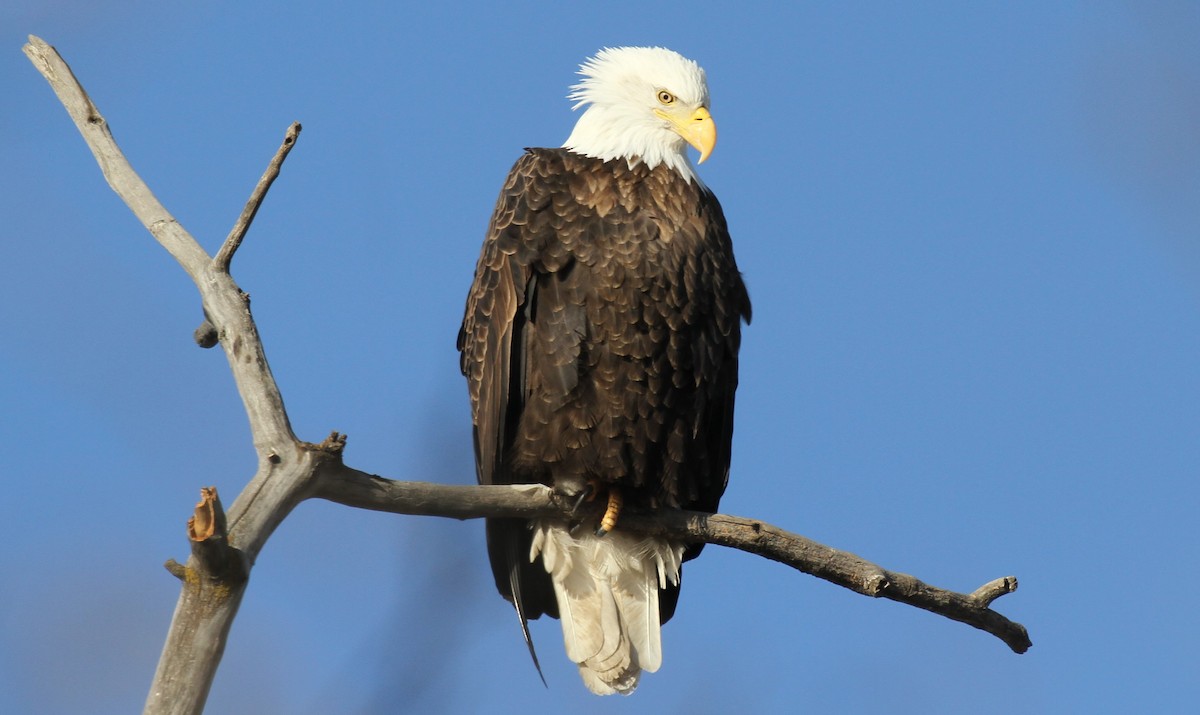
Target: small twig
[234, 240]
[990, 591]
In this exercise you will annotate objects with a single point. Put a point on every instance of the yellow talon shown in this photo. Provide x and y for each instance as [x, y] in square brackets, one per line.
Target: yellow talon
[609, 522]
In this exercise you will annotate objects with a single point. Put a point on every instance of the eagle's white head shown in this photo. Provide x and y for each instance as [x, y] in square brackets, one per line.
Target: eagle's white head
[643, 103]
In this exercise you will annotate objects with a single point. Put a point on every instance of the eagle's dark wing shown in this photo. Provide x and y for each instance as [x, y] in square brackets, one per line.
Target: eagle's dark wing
[494, 342]
[716, 362]
[708, 353]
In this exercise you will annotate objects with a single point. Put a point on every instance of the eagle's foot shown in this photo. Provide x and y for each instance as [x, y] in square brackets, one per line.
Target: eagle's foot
[609, 520]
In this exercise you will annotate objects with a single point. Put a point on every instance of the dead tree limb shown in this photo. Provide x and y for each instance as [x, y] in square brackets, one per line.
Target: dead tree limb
[225, 546]
[338, 483]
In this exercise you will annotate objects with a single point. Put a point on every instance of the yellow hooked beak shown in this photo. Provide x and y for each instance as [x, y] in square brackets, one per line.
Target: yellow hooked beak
[698, 129]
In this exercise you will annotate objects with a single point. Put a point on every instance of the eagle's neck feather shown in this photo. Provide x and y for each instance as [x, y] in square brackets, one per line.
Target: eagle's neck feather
[605, 133]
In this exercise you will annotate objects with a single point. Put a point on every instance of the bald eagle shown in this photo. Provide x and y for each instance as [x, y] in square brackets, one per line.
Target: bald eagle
[600, 347]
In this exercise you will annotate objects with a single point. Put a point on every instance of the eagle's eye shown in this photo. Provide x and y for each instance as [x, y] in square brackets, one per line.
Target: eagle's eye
[665, 97]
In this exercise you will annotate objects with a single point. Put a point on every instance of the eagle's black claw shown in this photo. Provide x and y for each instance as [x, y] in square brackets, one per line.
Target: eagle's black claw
[588, 492]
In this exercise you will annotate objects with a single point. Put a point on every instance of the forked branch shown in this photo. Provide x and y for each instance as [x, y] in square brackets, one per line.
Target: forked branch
[289, 471]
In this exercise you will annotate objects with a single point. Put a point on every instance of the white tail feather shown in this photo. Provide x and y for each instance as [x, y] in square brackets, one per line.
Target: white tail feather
[607, 590]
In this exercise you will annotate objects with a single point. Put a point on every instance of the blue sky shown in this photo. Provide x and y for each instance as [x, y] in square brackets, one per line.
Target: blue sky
[971, 233]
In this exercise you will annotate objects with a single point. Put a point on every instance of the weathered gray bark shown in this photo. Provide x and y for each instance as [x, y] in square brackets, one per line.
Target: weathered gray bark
[224, 547]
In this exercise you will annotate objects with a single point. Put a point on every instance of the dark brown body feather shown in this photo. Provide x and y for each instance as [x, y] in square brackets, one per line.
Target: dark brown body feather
[600, 343]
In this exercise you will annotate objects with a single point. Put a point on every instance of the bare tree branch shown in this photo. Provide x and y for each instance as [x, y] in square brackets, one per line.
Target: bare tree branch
[224, 549]
[351, 487]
